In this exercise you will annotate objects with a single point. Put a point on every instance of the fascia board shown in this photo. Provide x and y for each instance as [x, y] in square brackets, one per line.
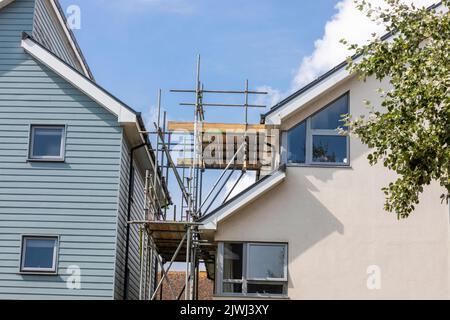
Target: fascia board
[211, 222]
[83, 84]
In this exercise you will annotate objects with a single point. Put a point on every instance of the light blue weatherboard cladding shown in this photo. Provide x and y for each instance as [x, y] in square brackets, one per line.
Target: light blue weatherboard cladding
[137, 209]
[78, 199]
[49, 32]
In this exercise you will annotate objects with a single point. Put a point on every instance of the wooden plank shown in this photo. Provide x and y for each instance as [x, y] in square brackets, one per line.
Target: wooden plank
[187, 162]
[215, 127]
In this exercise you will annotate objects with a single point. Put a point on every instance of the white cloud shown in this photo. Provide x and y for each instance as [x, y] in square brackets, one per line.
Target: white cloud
[271, 98]
[246, 181]
[348, 23]
[151, 116]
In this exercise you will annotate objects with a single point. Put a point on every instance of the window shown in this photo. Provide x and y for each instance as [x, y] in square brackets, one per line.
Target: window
[47, 143]
[297, 144]
[316, 140]
[253, 268]
[39, 254]
[328, 148]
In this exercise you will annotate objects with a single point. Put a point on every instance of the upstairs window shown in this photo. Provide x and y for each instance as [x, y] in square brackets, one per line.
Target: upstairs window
[47, 143]
[253, 269]
[297, 144]
[39, 254]
[316, 140]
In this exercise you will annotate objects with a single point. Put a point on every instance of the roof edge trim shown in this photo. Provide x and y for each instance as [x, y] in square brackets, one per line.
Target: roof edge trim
[56, 6]
[210, 221]
[124, 113]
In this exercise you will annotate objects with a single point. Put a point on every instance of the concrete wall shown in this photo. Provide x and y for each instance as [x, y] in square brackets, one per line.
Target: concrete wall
[334, 222]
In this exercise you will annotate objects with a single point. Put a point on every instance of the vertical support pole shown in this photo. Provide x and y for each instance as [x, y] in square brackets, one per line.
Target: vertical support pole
[201, 191]
[155, 278]
[246, 149]
[188, 252]
[162, 285]
[162, 156]
[197, 276]
[197, 114]
[183, 179]
[163, 135]
[193, 270]
[246, 104]
[167, 166]
[155, 174]
[146, 206]
[150, 273]
[141, 263]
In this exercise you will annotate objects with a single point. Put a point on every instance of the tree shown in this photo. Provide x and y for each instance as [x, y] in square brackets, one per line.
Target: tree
[411, 133]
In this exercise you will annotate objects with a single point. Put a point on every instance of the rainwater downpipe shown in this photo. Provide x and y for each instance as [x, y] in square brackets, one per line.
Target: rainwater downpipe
[127, 239]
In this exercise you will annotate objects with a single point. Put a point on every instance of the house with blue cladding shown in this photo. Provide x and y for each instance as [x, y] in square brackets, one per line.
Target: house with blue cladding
[73, 162]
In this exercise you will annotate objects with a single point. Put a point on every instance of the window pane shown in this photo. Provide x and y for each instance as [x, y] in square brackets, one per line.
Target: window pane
[265, 288]
[39, 253]
[330, 117]
[266, 261]
[297, 143]
[232, 287]
[232, 261]
[331, 149]
[47, 142]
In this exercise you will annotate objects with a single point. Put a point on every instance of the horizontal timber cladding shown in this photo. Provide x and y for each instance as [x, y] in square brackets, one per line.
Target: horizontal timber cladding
[137, 211]
[49, 32]
[76, 199]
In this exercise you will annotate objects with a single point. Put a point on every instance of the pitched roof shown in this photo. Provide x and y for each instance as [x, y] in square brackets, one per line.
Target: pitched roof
[124, 113]
[131, 120]
[71, 37]
[56, 7]
[127, 116]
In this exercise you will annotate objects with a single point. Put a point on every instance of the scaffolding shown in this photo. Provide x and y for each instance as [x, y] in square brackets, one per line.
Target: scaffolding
[168, 236]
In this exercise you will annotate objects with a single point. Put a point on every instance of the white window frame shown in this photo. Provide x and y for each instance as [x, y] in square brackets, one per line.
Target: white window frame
[53, 269]
[61, 156]
[310, 133]
[245, 271]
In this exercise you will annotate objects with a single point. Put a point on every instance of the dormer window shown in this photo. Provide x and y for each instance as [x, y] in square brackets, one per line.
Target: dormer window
[316, 140]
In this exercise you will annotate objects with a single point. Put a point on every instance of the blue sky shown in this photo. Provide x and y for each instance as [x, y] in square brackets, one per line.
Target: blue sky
[135, 47]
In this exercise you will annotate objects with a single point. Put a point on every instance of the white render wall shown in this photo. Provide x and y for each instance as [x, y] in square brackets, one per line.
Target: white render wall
[334, 222]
